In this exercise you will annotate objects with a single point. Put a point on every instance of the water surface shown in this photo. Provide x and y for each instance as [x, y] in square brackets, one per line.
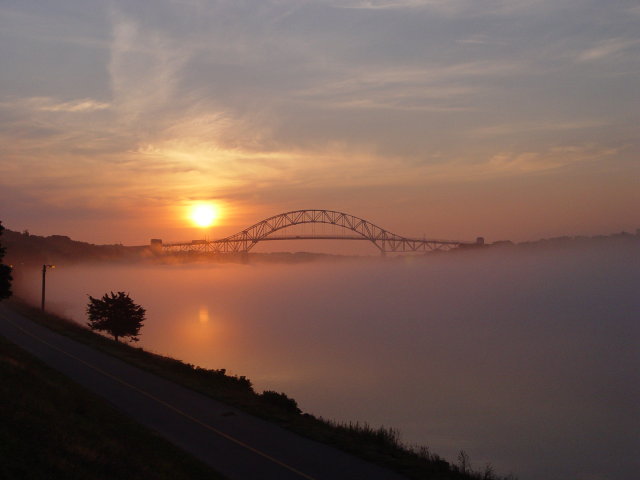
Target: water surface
[528, 361]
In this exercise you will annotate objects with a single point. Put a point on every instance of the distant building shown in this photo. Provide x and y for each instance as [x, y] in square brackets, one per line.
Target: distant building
[502, 243]
[156, 246]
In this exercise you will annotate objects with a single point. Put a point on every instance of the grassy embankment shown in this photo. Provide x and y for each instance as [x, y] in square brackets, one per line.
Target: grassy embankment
[378, 445]
[52, 428]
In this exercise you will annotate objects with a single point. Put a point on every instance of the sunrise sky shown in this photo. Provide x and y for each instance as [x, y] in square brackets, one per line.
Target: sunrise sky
[511, 119]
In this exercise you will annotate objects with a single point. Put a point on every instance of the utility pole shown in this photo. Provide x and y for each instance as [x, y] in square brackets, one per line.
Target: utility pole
[44, 276]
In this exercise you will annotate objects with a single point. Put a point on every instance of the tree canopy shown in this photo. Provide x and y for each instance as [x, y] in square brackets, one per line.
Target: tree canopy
[116, 314]
[5, 273]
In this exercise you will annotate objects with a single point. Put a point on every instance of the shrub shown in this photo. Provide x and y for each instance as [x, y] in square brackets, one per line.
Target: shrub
[281, 401]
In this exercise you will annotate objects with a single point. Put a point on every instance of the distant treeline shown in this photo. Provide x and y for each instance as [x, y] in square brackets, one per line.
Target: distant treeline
[26, 249]
[574, 241]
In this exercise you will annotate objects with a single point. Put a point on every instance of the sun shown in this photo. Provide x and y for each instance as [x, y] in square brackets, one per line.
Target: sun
[204, 215]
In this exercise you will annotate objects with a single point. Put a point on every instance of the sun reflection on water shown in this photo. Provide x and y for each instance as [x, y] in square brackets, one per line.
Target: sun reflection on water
[199, 329]
[203, 314]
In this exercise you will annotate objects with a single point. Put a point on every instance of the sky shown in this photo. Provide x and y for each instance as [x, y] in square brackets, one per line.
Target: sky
[440, 118]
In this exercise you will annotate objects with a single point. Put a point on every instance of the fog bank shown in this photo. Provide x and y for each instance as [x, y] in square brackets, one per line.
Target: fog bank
[526, 360]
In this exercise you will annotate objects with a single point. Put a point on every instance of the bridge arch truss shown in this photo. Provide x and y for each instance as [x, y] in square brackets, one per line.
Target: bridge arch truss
[245, 240]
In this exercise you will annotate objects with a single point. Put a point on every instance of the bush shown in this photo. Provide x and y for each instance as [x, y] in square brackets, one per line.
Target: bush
[281, 401]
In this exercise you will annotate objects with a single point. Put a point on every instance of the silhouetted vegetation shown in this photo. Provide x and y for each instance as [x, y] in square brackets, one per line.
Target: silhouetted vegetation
[377, 445]
[281, 401]
[27, 250]
[116, 314]
[52, 428]
[32, 250]
[5, 272]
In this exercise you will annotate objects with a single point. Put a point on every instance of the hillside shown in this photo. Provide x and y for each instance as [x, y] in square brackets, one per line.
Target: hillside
[26, 249]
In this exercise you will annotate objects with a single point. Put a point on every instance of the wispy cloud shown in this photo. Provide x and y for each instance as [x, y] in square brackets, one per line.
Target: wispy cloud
[435, 88]
[471, 8]
[552, 159]
[608, 48]
[73, 106]
[395, 4]
[144, 68]
[533, 127]
[479, 39]
[31, 105]
[634, 10]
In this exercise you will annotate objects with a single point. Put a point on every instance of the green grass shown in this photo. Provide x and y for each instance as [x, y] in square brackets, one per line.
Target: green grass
[54, 429]
[378, 445]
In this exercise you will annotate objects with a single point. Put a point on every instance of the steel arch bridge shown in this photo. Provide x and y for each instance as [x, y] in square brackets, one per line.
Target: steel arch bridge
[245, 240]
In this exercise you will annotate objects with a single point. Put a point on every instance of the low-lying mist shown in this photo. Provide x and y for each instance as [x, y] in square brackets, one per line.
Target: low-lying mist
[528, 360]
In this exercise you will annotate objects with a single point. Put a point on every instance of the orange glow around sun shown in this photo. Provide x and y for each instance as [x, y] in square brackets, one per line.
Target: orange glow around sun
[204, 214]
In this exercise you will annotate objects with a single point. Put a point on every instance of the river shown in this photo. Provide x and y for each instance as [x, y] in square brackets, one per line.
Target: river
[527, 361]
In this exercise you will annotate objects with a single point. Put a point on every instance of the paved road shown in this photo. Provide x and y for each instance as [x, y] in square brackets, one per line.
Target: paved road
[234, 443]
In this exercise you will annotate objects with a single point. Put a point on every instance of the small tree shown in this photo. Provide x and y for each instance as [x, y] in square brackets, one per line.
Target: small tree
[5, 273]
[116, 314]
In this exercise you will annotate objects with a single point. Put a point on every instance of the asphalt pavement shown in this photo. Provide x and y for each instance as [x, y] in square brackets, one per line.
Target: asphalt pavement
[234, 443]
